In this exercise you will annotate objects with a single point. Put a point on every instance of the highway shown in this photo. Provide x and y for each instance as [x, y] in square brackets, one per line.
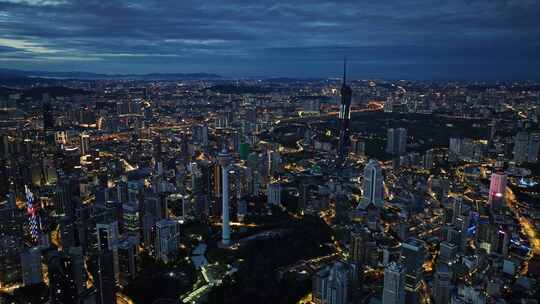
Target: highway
[526, 225]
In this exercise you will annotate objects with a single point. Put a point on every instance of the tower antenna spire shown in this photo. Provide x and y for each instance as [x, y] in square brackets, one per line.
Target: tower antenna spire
[344, 70]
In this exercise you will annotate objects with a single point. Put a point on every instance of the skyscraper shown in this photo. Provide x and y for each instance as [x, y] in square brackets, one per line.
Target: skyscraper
[441, 285]
[533, 148]
[394, 282]
[131, 220]
[167, 239]
[224, 160]
[274, 193]
[448, 253]
[344, 116]
[127, 260]
[413, 253]
[31, 266]
[359, 240]
[76, 257]
[200, 134]
[60, 279]
[330, 284]
[521, 143]
[500, 240]
[497, 184]
[48, 117]
[428, 159]
[157, 155]
[492, 132]
[274, 162]
[373, 192]
[396, 141]
[34, 221]
[107, 237]
[85, 144]
[104, 277]
[66, 275]
[63, 201]
[497, 190]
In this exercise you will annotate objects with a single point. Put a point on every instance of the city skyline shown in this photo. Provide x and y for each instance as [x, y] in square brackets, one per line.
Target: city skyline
[229, 152]
[484, 40]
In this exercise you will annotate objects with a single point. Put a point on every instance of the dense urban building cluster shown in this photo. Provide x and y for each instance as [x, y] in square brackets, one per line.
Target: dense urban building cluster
[325, 191]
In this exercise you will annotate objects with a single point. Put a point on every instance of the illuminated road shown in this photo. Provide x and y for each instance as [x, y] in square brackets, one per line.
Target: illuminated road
[526, 225]
[373, 107]
[123, 299]
[237, 224]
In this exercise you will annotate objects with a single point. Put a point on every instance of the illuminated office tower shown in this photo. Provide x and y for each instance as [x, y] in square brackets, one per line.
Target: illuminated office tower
[454, 148]
[359, 240]
[63, 200]
[274, 193]
[428, 159]
[200, 135]
[483, 232]
[134, 190]
[396, 141]
[441, 285]
[104, 277]
[34, 221]
[148, 230]
[157, 156]
[31, 266]
[217, 180]
[127, 260]
[413, 253]
[85, 144]
[497, 190]
[11, 200]
[500, 241]
[48, 116]
[107, 237]
[77, 258]
[60, 272]
[448, 253]
[492, 132]
[61, 137]
[330, 284]
[274, 162]
[344, 116]
[224, 161]
[66, 275]
[497, 186]
[394, 284]
[388, 105]
[373, 185]
[155, 205]
[242, 210]
[122, 190]
[236, 141]
[533, 148]
[521, 143]
[131, 221]
[167, 239]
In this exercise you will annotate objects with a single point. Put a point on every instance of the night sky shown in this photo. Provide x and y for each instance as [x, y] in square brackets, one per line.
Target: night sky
[418, 39]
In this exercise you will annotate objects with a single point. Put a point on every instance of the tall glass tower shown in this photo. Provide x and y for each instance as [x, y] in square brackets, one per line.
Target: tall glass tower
[344, 116]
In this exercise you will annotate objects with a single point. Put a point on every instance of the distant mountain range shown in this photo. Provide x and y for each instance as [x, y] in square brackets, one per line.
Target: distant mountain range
[37, 93]
[8, 73]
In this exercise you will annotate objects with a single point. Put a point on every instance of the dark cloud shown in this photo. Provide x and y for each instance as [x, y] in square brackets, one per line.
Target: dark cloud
[390, 38]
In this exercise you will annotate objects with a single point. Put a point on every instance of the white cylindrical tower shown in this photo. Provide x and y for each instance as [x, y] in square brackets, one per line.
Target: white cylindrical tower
[224, 159]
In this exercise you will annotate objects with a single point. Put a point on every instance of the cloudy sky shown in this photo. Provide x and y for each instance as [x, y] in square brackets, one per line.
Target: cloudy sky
[414, 39]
